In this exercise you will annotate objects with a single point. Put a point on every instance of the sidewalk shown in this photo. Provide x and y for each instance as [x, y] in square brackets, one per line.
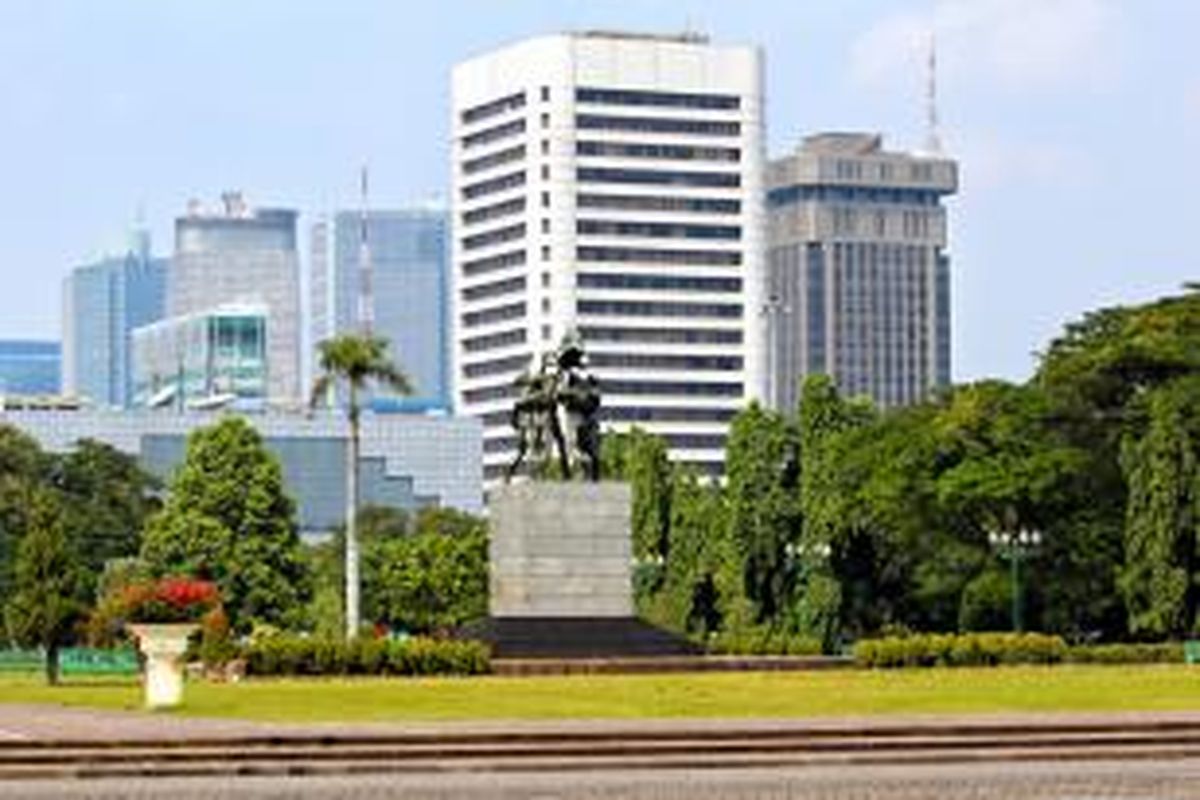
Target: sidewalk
[32, 723]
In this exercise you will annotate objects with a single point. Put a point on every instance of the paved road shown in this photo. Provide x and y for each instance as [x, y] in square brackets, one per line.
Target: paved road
[1110, 780]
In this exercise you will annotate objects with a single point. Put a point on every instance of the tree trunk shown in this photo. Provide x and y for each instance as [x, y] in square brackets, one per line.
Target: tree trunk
[52, 665]
[352, 576]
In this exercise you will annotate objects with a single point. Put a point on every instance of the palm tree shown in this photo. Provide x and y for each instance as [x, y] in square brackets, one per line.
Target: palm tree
[354, 360]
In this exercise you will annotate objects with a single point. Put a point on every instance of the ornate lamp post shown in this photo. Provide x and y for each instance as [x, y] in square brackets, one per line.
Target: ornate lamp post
[1015, 546]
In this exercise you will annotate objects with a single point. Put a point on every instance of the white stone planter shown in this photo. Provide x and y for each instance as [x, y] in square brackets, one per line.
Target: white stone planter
[164, 646]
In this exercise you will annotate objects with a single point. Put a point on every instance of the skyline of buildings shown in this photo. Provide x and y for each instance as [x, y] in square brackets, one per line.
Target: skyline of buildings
[610, 184]
[606, 183]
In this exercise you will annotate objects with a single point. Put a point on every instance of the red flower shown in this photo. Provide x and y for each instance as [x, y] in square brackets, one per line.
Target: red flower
[173, 599]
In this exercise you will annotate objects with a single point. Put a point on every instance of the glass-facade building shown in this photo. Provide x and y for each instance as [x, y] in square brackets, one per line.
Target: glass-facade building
[859, 276]
[102, 303]
[407, 461]
[408, 257]
[239, 255]
[30, 367]
[216, 357]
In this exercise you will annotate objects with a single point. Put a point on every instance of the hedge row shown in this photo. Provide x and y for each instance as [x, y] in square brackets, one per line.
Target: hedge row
[1164, 653]
[295, 655]
[970, 649]
[986, 649]
[763, 642]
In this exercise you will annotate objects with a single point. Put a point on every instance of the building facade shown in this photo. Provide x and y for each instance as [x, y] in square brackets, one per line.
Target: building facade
[30, 367]
[211, 358]
[407, 461]
[859, 285]
[238, 255]
[408, 255]
[611, 184]
[102, 303]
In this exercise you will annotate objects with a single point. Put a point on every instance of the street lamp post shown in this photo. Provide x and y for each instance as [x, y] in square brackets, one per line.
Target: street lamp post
[1015, 546]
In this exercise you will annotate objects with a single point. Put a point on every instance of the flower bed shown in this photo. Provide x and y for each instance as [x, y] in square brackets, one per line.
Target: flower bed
[168, 600]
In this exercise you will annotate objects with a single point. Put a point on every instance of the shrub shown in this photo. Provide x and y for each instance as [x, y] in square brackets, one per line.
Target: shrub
[1161, 653]
[763, 641]
[969, 649]
[295, 655]
[216, 644]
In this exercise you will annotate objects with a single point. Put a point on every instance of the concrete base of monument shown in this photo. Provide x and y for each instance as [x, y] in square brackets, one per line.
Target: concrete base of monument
[578, 637]
[560, 557]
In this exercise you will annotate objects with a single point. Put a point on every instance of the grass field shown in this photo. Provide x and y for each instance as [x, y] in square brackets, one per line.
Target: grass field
[766, 694]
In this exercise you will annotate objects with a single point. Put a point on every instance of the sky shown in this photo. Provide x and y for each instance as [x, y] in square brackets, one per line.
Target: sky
[1076, 124]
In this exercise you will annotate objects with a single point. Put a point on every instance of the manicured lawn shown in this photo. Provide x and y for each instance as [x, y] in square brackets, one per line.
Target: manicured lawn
[849, 692]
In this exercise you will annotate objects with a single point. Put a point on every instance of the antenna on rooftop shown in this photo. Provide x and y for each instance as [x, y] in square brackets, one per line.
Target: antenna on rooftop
[933, 139]
[366, 305]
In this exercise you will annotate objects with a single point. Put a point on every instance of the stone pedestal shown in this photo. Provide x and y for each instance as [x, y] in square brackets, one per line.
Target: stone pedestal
[164, 646]
[561, 550]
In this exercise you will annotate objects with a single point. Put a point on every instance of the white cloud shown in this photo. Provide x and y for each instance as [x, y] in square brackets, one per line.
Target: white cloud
[1010, 44]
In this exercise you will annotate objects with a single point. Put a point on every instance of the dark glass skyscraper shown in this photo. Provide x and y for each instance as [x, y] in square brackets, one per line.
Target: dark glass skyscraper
[859, 276]
[102, 303]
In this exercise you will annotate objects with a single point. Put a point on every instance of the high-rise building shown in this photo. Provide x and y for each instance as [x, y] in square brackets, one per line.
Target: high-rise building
[859, 285]
[408, 265]
[238, 255]
[29, 367]
[611, 184]
[214, 358]
[102, 303]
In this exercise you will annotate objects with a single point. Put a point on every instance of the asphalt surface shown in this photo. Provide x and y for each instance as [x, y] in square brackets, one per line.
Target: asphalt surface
[1144, 780]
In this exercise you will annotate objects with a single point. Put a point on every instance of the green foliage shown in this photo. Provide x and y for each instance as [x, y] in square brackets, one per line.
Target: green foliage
[47, 598]
[1126, 653]
[292, 655]
[1159, 580]
[762, 468]
[966, 650]
[356, 360]
[641, 460]
[23, 466]
[228, 519]
[432, 581]
[422, 575]
[109, 499]
[763, 641]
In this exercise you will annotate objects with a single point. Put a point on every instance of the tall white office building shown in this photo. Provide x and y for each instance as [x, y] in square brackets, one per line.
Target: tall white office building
[239, 255]
[612, 184]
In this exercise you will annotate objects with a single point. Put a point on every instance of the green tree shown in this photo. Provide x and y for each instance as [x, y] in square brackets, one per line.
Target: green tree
[762, 467]
[830, 519]
[23, 466]
[1159, 580]
[354, 360]
[435, 579]
[641, 459]
[47, 600]
[109, 499]
[421, 573]
[701, 592]
[227, 518]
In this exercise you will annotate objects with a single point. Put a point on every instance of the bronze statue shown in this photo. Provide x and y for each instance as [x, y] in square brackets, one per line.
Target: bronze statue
[559, 406]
